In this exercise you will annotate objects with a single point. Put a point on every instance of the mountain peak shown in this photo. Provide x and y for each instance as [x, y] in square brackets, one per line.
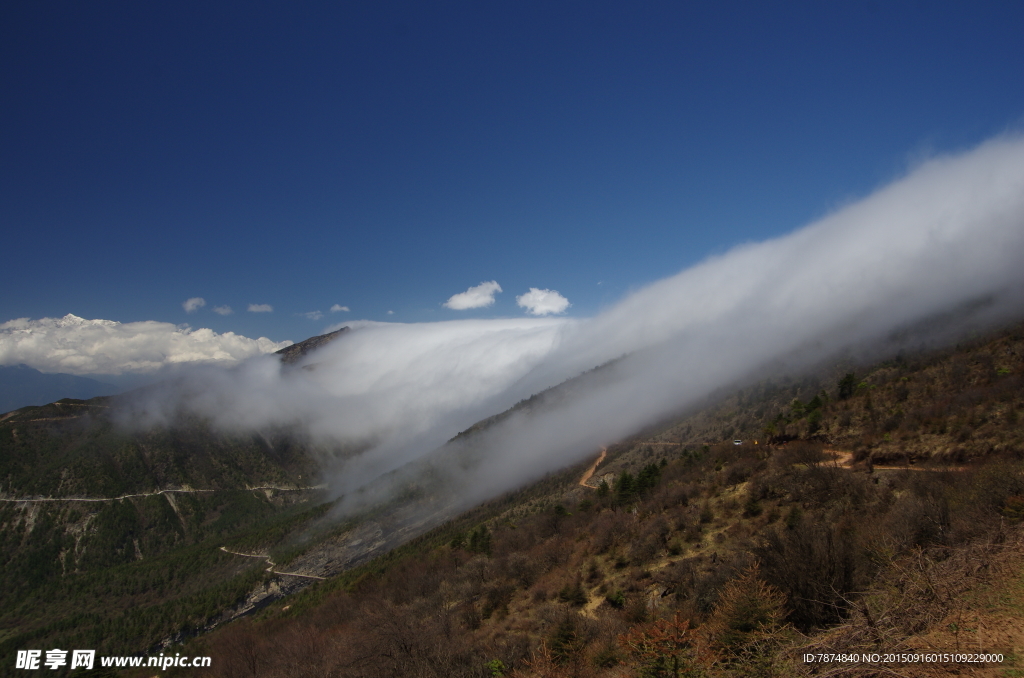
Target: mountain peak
[295, 352]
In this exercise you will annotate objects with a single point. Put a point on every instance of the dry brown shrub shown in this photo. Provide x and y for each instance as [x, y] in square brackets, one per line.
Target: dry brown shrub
[665, 647]
[918, 593]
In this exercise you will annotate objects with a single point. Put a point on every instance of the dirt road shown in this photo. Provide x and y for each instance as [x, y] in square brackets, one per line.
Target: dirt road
[156, 492]
[271, 564]
[845, 460]
[593, 467]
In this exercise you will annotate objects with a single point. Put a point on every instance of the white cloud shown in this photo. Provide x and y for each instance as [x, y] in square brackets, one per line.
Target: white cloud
[946, 236]
[260, 308]
[475, 297]
[543, 302]
[193, 304]
[392, 381]
[312, 315]
[79, 346]
[222, 310]
[337, 307]
[391, 312]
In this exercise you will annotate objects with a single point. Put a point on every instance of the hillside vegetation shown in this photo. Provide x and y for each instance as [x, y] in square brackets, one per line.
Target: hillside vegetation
[145, 564]
[869, 509]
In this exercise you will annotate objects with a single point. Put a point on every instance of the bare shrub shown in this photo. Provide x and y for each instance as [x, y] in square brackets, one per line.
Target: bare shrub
[612, 529]
[523, 569]
[816, 565]
[741, 469]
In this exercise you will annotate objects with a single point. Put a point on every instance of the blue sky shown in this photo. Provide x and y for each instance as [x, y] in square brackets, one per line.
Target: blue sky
[385, 158]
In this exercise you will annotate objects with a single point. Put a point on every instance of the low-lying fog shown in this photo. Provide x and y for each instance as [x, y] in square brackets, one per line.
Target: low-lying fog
[949, 235]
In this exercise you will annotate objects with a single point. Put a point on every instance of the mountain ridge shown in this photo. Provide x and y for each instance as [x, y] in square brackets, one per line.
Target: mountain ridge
[296, 352]
[21, 386]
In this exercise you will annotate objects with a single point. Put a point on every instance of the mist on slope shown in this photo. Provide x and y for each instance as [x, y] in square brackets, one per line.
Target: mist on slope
[947, 236]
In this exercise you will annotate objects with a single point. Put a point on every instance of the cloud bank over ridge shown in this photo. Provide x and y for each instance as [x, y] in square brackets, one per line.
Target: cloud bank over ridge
[78, 346]
[947, 235]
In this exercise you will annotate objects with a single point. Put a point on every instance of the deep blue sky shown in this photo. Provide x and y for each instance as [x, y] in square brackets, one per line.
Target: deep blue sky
[389, 156]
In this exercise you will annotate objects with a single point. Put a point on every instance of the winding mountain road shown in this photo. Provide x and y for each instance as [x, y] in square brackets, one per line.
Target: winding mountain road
[158, 492]
[271, 564]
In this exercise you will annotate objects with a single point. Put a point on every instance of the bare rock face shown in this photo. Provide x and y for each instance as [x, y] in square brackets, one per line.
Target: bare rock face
[296, 352]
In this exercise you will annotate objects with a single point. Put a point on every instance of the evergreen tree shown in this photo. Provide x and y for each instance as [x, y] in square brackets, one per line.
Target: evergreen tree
[746, 626]
[480, 540]
[847, 385]
[624, 488]
[662, 649]
[647, 478]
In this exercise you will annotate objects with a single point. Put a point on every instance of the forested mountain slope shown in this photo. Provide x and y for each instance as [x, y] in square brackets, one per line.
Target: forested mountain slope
[869, 509]
[111, 538]
[683, 549]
